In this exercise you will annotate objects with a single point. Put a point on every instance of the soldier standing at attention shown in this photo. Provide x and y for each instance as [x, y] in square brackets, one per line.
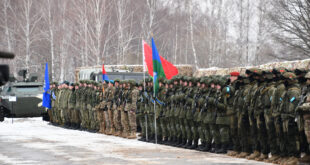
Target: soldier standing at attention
[261, 101]
[290, 129]
[251, 98]
[77, 117]
[132, 108]
[194, 112]
[276, 102]
[304, 111]
[116, 112]
[71, 105]
[203, 129]
[159, 109]
[170, 112]
[164, 119]
[222, 121]
[229, 125]
[124, 109]
[140, 112]
[110, 97]
[210, 117]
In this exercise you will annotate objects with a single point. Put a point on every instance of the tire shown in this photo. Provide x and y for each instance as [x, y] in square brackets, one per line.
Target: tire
[1, 115]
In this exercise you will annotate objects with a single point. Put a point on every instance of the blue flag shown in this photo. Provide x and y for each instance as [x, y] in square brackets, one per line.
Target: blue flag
[46, 102]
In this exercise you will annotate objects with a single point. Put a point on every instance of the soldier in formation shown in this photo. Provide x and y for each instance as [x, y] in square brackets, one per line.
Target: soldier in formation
[252, 116]
[263, 115]
[108, 108]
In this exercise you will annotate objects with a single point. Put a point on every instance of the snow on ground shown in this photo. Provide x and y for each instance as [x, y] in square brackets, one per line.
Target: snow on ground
[32, 141]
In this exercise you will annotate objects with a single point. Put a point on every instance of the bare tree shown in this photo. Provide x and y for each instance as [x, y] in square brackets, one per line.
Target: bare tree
[192, 33]
[292, 18]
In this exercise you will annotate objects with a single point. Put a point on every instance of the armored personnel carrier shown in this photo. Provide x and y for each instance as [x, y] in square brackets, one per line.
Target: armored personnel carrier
[22, 98]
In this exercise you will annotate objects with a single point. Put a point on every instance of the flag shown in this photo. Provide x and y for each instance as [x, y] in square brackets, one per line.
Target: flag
[169, 69]
[46, 102]
[158, 70]
[104, 74]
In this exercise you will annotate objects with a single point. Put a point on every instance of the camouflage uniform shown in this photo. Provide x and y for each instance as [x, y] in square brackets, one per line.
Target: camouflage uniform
[111, 93]
[304, 111]
[116, 112]
[289, 126]
[131, 109]
[124, 113]
[203, 128]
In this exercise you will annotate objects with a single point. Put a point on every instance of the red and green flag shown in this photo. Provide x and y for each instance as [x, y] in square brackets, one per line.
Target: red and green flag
[158, 70]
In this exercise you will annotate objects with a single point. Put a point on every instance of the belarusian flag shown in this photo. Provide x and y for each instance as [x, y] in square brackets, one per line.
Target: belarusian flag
[158, 70]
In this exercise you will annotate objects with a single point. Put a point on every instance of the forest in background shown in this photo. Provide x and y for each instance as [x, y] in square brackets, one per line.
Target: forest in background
[203, 33]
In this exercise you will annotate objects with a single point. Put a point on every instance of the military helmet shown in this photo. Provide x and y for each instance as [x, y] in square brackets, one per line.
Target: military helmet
[117, 80]
[268, 74]
[300, 71]
[280, 70]
[289, 75]
[307, 76]
[111, 81]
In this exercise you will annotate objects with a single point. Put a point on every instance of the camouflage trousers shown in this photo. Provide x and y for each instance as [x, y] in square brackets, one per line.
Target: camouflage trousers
[76, 117]
[191, 131]
[271, 132]
[111, 119]
[132, 120]
[243, 133]
[215, 132]
[102, 126]
[61, 117]
[141, 122]
[92, 119]
[49, 111]
[164, 126]
[125, 123]
[117, 118]
[107, 121]
[151, 125]
[172, 128]
[84, 117]
[291, 137]
[306, 118]
[253, 133]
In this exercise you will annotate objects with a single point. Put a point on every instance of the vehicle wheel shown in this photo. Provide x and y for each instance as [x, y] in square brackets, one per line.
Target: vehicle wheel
[45, 117]
[1, 115]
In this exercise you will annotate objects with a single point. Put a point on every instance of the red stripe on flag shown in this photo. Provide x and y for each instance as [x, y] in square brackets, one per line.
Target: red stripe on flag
[169, 69]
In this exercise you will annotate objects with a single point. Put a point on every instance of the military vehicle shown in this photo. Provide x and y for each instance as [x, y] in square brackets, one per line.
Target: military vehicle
[22, 98]
[122, 72]
[4, 75]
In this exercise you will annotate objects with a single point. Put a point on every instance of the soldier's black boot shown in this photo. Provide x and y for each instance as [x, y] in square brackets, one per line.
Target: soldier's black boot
[165, 140]
[207, 147]
[183, 142]
[188, 144]
[222, 150]
[143, 139]
[195, 145]
[215, 148]
[159, 139]
[151, 139]
[178, 141]
[175, 141]
[202, 145]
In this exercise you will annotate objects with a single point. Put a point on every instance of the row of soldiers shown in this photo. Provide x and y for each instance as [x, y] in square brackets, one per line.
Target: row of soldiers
[109, 108]
[251, 115]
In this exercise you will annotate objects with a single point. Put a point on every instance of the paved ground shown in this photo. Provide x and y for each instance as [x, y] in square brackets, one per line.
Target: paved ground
[31, 141]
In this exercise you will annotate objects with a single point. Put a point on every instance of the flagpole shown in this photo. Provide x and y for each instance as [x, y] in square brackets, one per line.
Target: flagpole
[145, 116]
[154, 108]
